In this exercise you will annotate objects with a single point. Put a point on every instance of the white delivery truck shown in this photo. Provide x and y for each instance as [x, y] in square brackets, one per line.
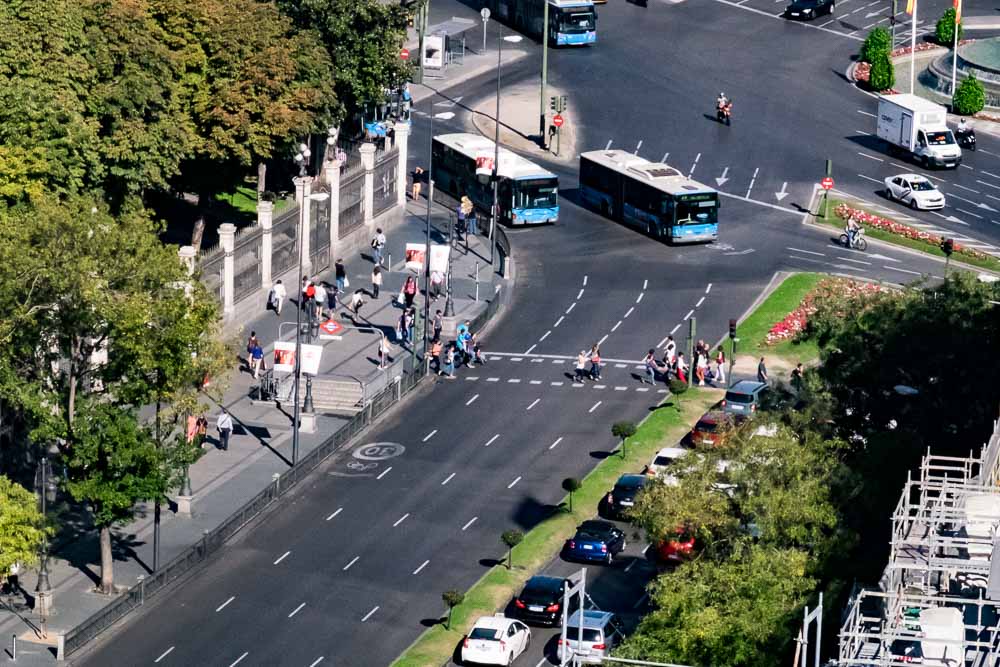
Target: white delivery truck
[918, 127]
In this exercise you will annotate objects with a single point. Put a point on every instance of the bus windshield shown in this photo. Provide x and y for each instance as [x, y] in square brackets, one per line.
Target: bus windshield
[697, 212]
[536, 193]
[576, 20]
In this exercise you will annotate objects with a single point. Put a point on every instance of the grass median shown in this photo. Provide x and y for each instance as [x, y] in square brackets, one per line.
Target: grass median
[665, 425]
[753, 331]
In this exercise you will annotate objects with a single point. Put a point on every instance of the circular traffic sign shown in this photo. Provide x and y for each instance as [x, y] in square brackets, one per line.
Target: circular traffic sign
[558, 120]
[827, 183]
[485, 13]
[378, 451]
[404, 54]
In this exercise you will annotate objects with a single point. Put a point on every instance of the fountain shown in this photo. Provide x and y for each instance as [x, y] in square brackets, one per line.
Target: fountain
[980, 58]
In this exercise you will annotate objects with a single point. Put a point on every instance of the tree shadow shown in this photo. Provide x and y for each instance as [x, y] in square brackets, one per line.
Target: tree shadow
[490, 562]
[600, 455]
[123, 548]
[431, 622]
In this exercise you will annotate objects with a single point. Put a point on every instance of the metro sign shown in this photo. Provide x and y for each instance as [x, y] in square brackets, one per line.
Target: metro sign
[331, 330]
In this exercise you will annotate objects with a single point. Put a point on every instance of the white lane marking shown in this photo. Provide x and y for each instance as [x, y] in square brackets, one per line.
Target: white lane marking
[645, 284]
[353, 561]
[339, 510]
[629, 311]
[600, 386]
[297, 610]
[700, 301]
[855, 261]
[642, 388]
[579, 294]
[660, 344]
[971, 190]
[471, 521]
[240, 659]
[422, 566]
[601, 342]
[988, 173]
[585, 281]
[533, 403]
[517, 359]
[688, 316]
[571, 307]
[867, 134]
[490, 380]
[559, 321]
[871, 157]
[534, 382]
[708, 288]
[869, 178]
[630, 565]
[401, 519]
[865, 112]
[545, 661]
[430, 435]
[317, 661]
[638, 299]
[554, 444]
[547, 333]
[752, 179]
[514, 381]
[645, 550]
[537, 361]
[674, 330]
[559, 384]
[164, 654]
[989, 152]
[471, 378]
[369, 614]
[448, 478]
[384, 473]
[594, 407]
[491, 440]
[283, 557]
[621, 388]
[472, 400]
[223, 605]
[615, 328]
[808, 252]
[528, 351]
[974, 215]
[696, 158]
[974, 203]
[894, 268]
[511, 485]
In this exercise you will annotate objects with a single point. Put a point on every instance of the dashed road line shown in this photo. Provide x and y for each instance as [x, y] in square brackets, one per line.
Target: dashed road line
[693, 166]
[224, 604]
[514, 380]
[974, 215]
[297, 610]
[165, 654]
[491, 440]
[579, 294]
[528, 351]
[870, 157]
[700, 301]
[470, 522]
[535, 382]
[638, 299]
[674, 330]
[615, 328]
[585, 281]
[339, 510]
[689, 314]
[401, 519]
[971, 190]
[571, 307]
[600, 386]
[645, 284]
[512, 484]
[601, 342]
[422, 566]
[629, 311]
[864, 113]
[708, 288]
[240, 659]
[316, 661]
[661, 343]
[533, 403]
[490, 380]
[594, 407]
[559, 321]
[808, 252]
[547, 334]
[384, 473]
[430, 435]
[472, 400]
[752, 181]
[448, 478]
[556, 384]
[282, 557]
[369, 614]
[353, 561]
[556, 443]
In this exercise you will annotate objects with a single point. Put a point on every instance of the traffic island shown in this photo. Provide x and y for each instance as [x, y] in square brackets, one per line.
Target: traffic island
[520, 118]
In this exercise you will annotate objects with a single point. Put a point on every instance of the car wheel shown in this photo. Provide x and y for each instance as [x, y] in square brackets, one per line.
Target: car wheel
[913, 204]
[889, 195]
[510, 659]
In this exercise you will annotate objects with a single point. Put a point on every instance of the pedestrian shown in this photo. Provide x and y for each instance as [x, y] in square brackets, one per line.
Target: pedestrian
[468, 343]
[331, 299]
[477, 352]
[436, 357]
[224, 423]
[383, 353]
[276, 298]
[13, 584]
[461, 213]
[376, 280]
[459, 345]
[409, 291]
[357, 300]
[581, 366]
[401, 328]
[256, 360]
[251, 343]
[595, 363]
[670, 355]
[411, 324]
[418, 177]
[471, 221]
[651, 366]
[449, 363]
[720, 365]
[438, 325]
[378, 246]
[681, 368]
[340, 273]
[191, 429]
[797, 377]
[437, 281]
[761, 371]
[308, 294]
[701, 365]
[202, 434]
[319, 298]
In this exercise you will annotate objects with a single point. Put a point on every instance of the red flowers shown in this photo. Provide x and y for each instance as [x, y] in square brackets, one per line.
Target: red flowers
[795, 322]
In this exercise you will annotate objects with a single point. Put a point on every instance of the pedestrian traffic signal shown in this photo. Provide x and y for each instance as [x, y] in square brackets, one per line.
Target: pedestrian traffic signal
[732, 328]
[947, 247]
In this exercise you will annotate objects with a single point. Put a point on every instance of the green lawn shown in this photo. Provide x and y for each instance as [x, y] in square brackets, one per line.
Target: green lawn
[990, 263]
[666, 425]
[786, 298]
[244, 200]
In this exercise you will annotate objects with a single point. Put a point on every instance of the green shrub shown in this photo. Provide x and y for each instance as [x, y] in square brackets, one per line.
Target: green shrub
[882, 75]
[677, 387]
[944, 33]
[970, 97]
[878, 41]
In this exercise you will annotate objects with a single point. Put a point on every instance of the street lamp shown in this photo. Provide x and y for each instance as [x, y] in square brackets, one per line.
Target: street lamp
[316, 196]
[302, 158]
[444, 115]
[46, 493]
[512, 39]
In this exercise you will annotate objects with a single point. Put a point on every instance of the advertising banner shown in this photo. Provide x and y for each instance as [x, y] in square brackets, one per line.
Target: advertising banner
[284, 356]
[439, 258]
[415, 256]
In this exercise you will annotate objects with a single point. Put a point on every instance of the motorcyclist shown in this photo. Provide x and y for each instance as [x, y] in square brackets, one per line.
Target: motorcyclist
[852, 231]
[964, 131]
[721, 102]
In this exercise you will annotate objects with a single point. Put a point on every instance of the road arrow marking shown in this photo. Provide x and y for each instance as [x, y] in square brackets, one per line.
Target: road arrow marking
[883, 258]
[871, 14]
[784, 191]
[722, 179]
[985, 207]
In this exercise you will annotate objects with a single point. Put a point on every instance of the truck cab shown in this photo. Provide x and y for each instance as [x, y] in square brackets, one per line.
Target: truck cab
[917, 126]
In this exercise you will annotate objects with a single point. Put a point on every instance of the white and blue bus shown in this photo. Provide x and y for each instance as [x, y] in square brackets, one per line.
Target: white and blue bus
[571, 22]
[650, 196]
[527, 194]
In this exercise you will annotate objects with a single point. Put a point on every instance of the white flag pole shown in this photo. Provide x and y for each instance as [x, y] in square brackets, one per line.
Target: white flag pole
[954, 54]
[913, 49]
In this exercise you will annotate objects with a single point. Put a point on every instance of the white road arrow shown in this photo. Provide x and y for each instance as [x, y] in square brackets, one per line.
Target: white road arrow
[784, 191]
[882, 257]
[722, 179]
[871, 14]
[985, 207]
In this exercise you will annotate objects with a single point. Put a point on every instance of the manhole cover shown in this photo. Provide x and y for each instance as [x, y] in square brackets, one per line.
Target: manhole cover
[378, 451]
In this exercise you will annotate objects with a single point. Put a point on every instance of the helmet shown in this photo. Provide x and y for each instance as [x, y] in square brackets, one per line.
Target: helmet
[722, 94]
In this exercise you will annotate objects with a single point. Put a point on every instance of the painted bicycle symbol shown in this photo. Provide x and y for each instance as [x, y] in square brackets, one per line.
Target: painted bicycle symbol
[378, 451]
[361, 467]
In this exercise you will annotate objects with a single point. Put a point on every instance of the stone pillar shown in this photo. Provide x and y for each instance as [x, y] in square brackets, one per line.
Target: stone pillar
[187, 253]
[368, 200]
[402, 143]
[333, 181]
[303, 186]
[265, 218]
[227, 237]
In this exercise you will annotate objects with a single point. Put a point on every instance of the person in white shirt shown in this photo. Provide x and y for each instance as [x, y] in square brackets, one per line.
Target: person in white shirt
[319, 299]
[277, 297]
[225, 425]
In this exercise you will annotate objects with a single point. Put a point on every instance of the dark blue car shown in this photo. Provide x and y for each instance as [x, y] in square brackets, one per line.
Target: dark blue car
[595, 541]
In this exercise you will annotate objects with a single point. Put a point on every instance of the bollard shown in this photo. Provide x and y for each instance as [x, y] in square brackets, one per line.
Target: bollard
[141, 579]
[388, 268]
[13, 648]
[276, 478]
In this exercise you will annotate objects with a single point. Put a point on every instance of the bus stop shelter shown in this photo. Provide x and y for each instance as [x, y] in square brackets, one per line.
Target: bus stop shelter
[444, 44]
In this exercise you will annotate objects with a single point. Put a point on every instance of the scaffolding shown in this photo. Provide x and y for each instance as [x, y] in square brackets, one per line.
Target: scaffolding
[938, 599]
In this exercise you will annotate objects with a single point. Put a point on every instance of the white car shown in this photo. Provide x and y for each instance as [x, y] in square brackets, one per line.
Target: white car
[495, 640]
[913, 190]
[663, 459]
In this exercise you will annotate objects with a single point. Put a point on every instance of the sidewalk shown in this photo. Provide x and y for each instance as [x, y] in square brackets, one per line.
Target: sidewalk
[222, 482]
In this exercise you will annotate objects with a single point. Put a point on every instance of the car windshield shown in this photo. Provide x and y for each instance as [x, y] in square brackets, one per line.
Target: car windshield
[922, 186]
[536, 193]
[736, 397]
[940, 138]
[573, 634]
[538, 595]
[706, 426]
[484, 633]
[663, 461]
[576, 20]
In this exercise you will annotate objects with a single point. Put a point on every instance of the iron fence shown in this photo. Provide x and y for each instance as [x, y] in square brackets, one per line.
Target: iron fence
[284, 242]
[319, 236]
[385, 176]
[352, 212]
[211, 267]
[247, 278]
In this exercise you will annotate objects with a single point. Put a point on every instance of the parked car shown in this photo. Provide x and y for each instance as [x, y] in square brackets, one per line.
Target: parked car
[622, 496]
[664, 459]
[713, 428]
[495, 640]
[743, 398]
[600, 635]
[595, 540]
[809, 9]
[677, 549]
[541, 599]
[915, 191]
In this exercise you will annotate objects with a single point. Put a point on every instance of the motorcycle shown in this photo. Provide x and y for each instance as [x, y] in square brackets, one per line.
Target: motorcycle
[859, 240]
[967, 139]
[724, 113]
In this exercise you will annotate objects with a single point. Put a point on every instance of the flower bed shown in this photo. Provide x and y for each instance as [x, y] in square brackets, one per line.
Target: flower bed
[844, 212]
[862, 72]
[795, 322]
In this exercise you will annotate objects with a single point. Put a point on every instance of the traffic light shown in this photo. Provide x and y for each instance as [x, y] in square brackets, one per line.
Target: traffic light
[562, 104]
[732, 328]
[948, 247]
[552, 103]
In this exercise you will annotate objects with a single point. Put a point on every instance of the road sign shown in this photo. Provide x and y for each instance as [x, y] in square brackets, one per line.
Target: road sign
[826, 183]
[331, 330]
[404, 54]
[485, 13]
[558, 120]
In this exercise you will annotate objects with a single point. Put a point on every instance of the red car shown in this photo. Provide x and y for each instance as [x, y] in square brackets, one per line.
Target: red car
[712, 429]
[677, 549]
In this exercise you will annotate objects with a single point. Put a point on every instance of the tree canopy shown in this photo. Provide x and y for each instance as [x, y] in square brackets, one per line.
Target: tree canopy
[22, 526]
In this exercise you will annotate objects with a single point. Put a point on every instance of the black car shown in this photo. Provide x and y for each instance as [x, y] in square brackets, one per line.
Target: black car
[809, 9]
[597, 541]
[541, 600]
[621, 498]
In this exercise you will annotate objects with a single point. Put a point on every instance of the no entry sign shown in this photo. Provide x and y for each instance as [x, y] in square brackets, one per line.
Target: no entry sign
[826, 183]
[404, 54]
[558, 120]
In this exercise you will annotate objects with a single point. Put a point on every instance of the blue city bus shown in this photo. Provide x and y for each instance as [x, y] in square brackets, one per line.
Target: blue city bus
[652, 197]
[571, 22]
[527, 194]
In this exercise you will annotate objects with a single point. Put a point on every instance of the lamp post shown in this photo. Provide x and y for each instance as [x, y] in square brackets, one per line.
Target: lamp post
[43, 481]
[513, 39]
[444, 115]
[449, 305]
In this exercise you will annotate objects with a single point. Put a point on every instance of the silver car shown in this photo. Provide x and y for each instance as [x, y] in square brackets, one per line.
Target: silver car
[600, 635]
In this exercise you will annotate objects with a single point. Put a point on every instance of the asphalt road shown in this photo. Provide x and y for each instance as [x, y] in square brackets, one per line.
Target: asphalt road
[350, 568]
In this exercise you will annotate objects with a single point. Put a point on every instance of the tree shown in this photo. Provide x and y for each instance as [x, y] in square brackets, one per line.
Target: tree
[623, 431]
[882, 75]
[571, 485]
[944, 31]
[878, 41]
[23, 529]
[511, 538]
[452, 598]
[970, 97]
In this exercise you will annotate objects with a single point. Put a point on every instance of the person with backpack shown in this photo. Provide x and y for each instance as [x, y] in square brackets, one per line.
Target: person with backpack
[378, 245]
